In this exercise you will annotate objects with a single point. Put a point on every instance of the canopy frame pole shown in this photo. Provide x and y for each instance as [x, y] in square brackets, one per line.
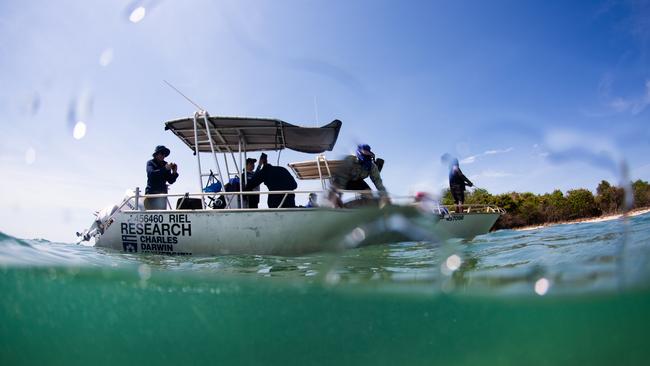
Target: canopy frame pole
[245, 159]
[241, 181]
[214, 153]
[225, 159]
[320, 174]
[282, 202]
[232, 154]
[223, 141]
[283, 144]
[327, 166]
[198, 156]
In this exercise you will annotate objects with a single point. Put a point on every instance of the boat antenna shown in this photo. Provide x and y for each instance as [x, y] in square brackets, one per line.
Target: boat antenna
[184, 96]
[316, 109]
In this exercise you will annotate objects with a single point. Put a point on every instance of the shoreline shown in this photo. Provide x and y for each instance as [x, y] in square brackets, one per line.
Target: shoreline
[634, 212]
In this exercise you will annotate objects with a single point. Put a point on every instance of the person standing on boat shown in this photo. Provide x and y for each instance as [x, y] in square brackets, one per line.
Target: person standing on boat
[457, 182]
[159, 173]
[275, 178]
[354, 170]
[250, 200]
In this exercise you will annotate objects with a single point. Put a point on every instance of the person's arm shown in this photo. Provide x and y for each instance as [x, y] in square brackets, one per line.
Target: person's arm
[293, 182]
[466, 181]
[154, 171]
[171, 178]
[258, 178]
[376, 179]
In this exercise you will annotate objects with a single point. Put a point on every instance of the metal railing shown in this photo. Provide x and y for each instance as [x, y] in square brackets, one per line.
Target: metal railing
[133, 201]
[476, 209]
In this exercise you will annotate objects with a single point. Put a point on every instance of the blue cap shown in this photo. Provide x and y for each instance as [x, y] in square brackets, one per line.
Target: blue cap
[365, 147]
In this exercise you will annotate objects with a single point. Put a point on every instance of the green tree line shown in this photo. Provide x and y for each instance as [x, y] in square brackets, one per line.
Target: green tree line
[524, 209]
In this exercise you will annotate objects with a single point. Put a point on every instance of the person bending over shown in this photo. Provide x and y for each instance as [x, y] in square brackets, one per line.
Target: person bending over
[354, 170]
[275, 178]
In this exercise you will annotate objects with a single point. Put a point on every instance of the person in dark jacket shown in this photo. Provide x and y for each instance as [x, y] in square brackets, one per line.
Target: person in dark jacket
[250, 200]
[457, 182]
[275, 178]
[159, 173]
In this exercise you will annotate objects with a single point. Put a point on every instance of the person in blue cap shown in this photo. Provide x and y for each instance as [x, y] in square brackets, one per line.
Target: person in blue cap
[354, 170]
[159, 173]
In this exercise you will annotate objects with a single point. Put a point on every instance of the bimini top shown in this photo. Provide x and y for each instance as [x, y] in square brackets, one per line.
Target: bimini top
[255, 134]
[320, 168]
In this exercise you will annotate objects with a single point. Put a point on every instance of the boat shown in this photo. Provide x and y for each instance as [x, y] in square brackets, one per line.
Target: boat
[471, 221]
[201, 229]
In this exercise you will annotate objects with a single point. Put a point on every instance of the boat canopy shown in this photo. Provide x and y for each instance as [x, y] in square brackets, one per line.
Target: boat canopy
[254, 134]
[320, 168]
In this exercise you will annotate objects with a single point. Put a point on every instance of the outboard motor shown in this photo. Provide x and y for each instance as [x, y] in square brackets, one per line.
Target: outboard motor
[103, 217]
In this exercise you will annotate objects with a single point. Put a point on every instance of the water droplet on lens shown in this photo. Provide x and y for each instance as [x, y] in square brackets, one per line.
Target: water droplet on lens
[453, 262]
[144, 271]
[30, 156]
[35, 103]
[79, 130]
[332, 278]
[137, 14]
[106, 57]
[358, 234]
[541, 286]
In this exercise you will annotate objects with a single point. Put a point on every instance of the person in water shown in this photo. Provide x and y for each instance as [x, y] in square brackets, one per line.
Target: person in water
[354, 170]
[457, 182]
[275, 178]
[159, 173]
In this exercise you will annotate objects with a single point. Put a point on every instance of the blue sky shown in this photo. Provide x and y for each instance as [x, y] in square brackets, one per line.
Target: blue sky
[531, 96]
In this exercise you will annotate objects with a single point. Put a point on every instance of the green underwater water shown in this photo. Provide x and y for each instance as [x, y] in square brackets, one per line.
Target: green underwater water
[381, 305]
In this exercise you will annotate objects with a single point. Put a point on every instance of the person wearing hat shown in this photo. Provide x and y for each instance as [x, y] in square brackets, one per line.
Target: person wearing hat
[353, 171]
[275, 178]
[159, 173]
[250, 200]
[457, 181]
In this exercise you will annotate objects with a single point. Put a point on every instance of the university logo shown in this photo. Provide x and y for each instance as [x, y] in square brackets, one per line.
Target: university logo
[130, 243]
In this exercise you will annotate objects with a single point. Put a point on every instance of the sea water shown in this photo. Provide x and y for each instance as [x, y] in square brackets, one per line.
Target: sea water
[567, 294]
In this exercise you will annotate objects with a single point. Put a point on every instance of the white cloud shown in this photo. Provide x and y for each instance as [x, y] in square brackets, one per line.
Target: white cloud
[473, 158]
[492, 152]
[632, 105]
[469, 160]
[491, 174]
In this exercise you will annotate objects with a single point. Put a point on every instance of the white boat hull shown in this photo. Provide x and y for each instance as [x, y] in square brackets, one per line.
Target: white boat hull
[279, 231]
[263, 232]
[465, 226]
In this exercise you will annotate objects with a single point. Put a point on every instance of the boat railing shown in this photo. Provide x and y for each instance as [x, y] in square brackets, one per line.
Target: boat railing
[137, 198]
[134, 202]
[234, 199]
[475, 209]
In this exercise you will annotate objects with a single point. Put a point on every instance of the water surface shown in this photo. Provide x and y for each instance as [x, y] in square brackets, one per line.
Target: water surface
[401, 303]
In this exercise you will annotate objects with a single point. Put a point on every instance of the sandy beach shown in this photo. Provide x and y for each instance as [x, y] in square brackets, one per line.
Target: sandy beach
[635, 212]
